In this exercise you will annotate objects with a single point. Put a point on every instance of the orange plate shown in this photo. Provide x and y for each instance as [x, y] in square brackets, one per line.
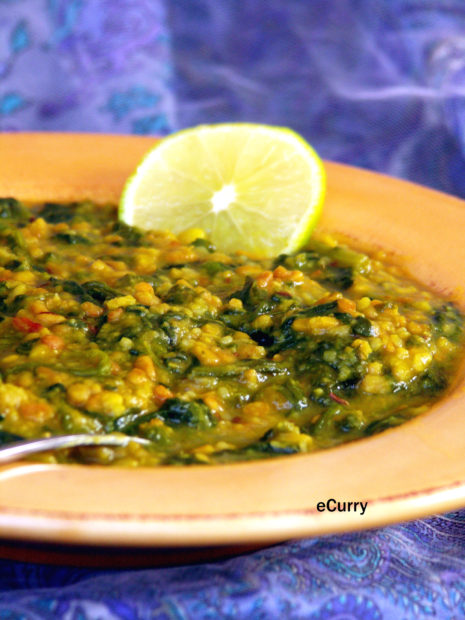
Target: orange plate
[405, 473]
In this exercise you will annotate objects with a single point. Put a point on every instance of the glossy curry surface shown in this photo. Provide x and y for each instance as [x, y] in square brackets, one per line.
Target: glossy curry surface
[214, 358]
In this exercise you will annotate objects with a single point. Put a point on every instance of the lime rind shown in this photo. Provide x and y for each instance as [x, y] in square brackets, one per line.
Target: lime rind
[310, 218]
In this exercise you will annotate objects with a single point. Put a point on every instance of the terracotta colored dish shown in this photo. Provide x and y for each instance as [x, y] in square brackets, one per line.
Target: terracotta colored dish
[408, 472]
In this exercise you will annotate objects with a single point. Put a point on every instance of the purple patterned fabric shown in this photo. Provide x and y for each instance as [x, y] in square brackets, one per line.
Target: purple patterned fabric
[100, 66]
[401, 572]
[375, 84]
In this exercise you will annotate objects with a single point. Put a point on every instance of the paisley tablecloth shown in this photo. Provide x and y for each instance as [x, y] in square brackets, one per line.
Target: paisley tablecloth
[401, 572]
[375, 84]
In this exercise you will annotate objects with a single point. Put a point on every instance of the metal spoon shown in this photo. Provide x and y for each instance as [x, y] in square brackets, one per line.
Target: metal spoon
[19, 450]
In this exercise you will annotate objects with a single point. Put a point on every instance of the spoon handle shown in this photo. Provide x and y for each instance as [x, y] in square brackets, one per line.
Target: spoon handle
[17, 451]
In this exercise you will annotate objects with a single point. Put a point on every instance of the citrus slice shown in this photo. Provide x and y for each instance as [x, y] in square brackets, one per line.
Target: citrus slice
[250, 187]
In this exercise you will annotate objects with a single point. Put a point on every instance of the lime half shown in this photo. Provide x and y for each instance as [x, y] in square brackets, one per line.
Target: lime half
[255, 188]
